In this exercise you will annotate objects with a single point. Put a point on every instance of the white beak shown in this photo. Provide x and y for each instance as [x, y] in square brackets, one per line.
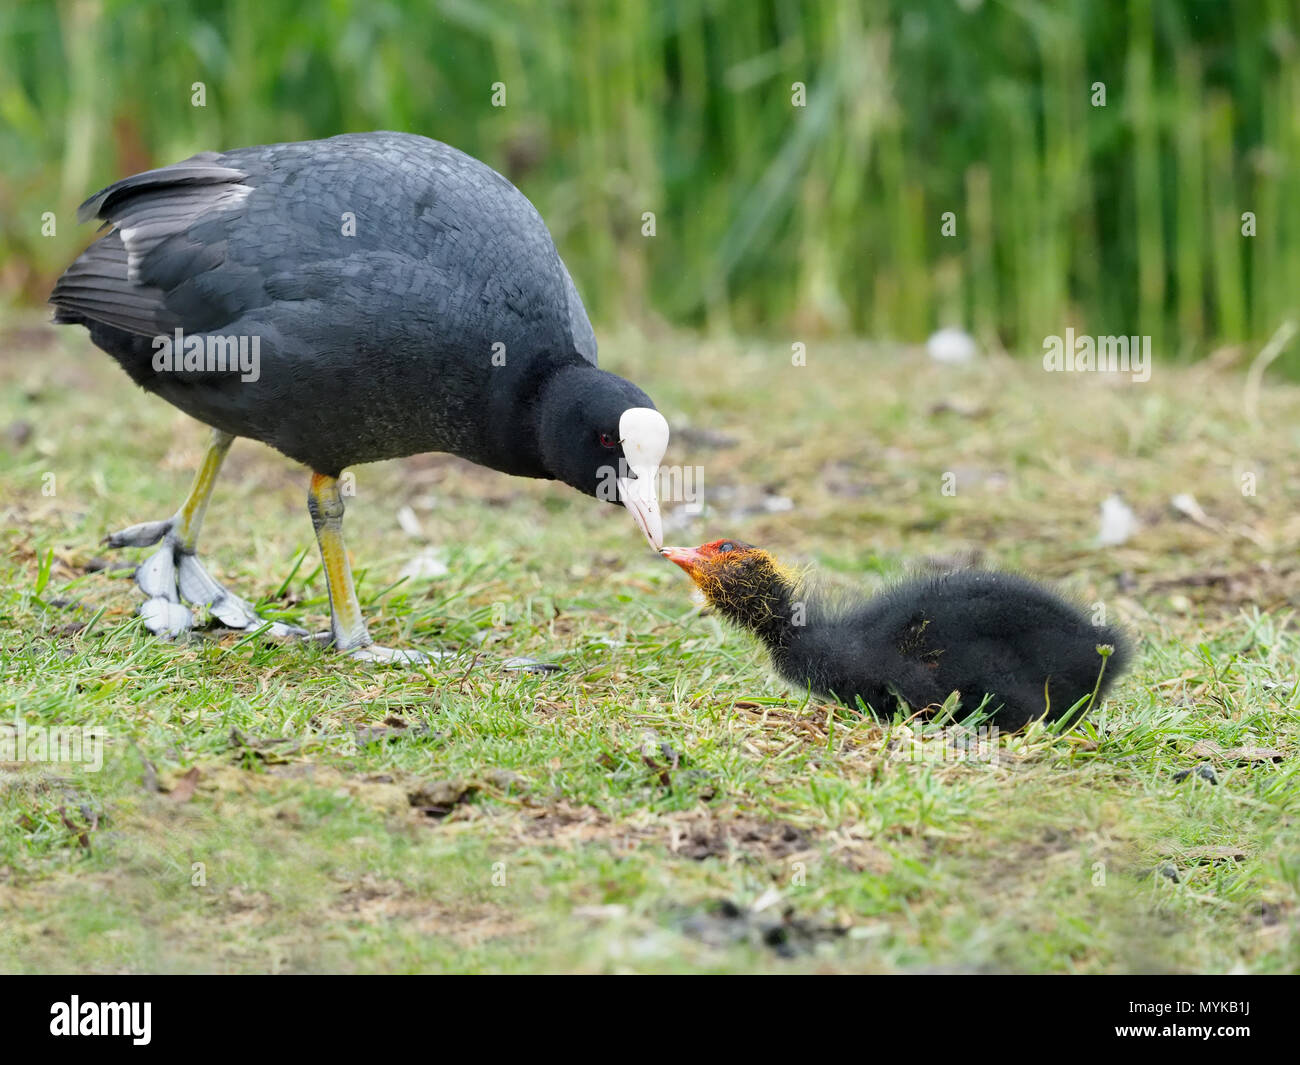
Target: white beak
[643, 432]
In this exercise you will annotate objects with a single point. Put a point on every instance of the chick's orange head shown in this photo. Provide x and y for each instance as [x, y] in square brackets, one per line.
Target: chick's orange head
[731, 572]
[746, 584]
[707, 559]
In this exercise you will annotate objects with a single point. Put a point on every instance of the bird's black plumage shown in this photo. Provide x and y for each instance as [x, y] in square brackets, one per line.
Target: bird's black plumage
[976, 632]
[385, 295]
[405, 296]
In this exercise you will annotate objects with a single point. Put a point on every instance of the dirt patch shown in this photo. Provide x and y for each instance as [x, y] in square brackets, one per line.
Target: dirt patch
[696, 835]
[740, 838]
[373, 900]
[437, 798]
[1266, 585]
[723, 924]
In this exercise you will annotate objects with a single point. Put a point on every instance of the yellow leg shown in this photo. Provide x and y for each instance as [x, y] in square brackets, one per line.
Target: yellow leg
[326, 506]
[189, 519]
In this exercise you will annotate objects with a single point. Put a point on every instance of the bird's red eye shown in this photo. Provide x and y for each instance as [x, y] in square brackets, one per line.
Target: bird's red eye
[607, 440]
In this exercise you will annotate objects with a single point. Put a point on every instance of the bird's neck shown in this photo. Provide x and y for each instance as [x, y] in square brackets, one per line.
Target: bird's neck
[561, 396]
[768, 602]
[520, 406]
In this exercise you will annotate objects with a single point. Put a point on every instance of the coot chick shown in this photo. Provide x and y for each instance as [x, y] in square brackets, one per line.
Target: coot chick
[364, 297]
[975, 632]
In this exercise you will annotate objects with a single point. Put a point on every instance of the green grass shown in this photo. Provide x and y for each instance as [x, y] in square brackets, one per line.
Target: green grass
[599, 818]
[817, 216]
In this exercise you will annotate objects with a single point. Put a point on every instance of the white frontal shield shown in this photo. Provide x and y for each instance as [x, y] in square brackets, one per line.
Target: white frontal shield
[643, 432]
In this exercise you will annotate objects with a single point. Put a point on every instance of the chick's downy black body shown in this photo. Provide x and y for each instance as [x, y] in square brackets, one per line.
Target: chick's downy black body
[976, 632]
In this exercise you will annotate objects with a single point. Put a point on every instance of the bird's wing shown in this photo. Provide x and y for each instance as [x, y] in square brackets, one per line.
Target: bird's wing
[198, 170]
[195, 245]
[150, 215]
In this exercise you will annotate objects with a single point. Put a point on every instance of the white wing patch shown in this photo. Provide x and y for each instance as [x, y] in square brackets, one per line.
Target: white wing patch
[167, 213]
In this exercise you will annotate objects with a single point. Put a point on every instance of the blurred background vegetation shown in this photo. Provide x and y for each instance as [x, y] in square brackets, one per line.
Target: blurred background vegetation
[817, 219]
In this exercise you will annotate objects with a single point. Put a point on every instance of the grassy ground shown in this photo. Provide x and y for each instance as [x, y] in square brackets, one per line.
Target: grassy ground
[659, 803]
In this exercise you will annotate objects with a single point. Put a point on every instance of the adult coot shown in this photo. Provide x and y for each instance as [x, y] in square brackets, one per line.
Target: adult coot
[976, 632]
[347, 300]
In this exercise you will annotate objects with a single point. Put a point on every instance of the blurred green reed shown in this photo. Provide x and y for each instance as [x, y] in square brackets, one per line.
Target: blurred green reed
[814, 219]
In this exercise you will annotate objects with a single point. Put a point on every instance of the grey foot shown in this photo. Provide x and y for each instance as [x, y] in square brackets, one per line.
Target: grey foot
[172, 577]
[387, 656]
[390, 656]
[384, 656]
[142, 535]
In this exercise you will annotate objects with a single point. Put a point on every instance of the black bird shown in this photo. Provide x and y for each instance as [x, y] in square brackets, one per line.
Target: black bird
[975, 632]
[347, 300]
